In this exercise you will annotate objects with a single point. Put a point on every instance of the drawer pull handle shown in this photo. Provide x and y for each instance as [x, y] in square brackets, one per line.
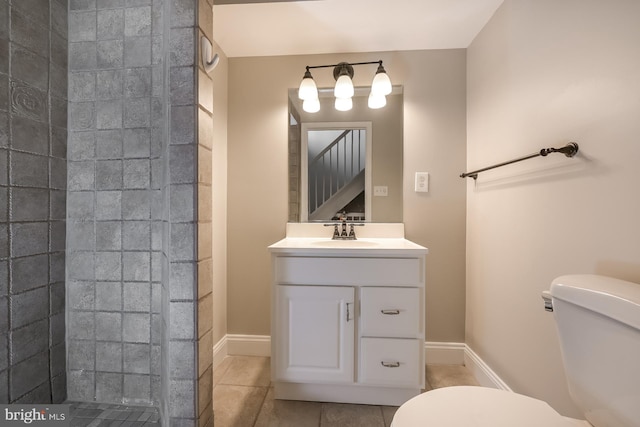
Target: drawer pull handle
[390, 312]
[390, 364]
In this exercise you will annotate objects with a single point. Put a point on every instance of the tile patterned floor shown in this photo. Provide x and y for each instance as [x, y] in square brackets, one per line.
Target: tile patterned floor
[242, 397]
[103, 415]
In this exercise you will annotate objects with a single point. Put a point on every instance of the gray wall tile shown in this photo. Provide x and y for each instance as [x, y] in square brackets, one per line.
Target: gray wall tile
[108, 387]
[136, 327]
[29, 374]
[182, 398]
[80, 385]
[136, 204]
[110, 54]
[109, 175]
[82, 86]
[137, 297]
[136, 358]
[29, 135]
[137, 51]
[81, 175]
[181, 315]
[81, 295]
[136, 174]
[110, 24]
[29, 340]
[109, 84]
[108, 326]
[136, 235]
[137, 143]
[29, 170]
[108, 266]
[81, 354]
[182, 359]
[29, 306]
[137, 21]
[137, 113]
[29, 239]
[29, 67]
[108, 236]
[109, 114]
[109, 296]
[109, 356]
[81, 325]
[108, 205]
[29, 272]
[136, 266]
[82, 26]
[23, 34]
[83, 56]
[82, 236]
[109, 144]
[137, 387]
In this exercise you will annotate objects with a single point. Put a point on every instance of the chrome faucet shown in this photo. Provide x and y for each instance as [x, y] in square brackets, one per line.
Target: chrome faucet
[340, 228]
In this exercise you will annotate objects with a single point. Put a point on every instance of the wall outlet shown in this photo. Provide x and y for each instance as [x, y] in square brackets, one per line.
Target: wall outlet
[380, 190]
[422, 182]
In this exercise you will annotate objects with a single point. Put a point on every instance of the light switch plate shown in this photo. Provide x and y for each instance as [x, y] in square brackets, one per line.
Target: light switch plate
[380, 190]
[422, 182]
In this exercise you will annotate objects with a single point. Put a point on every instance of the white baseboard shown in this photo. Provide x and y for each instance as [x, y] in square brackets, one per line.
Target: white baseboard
[483, 373]
[444, 353]
[436, 353]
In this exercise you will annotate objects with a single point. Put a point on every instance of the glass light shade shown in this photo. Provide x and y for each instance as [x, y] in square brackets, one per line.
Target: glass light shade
[381, 84]
[344, 87]
[376, 100]
[344, 104]
[308, 88]
[311, 105]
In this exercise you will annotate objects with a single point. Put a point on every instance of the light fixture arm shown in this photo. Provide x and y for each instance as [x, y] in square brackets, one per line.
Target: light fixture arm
[344, 63]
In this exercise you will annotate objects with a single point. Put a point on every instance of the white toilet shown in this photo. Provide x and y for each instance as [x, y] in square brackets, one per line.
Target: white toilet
[598, 320]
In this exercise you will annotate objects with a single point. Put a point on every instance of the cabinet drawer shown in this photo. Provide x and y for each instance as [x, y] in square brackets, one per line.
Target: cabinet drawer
[349, 271]
[390, 312]
[390, 361]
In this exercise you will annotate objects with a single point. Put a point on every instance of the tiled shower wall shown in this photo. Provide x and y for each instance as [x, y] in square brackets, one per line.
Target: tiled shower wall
[134, 307]
[33, 90]
[114, 235]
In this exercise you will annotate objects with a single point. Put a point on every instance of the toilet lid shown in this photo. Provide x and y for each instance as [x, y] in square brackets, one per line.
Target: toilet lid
[468, 406]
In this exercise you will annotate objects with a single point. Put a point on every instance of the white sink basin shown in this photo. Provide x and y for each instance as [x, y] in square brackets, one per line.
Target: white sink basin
[344, 244]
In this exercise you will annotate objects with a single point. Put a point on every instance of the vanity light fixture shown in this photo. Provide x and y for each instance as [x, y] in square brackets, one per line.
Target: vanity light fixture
[344, 90]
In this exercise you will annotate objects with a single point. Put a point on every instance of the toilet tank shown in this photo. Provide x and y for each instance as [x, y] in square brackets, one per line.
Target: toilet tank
[598, 320]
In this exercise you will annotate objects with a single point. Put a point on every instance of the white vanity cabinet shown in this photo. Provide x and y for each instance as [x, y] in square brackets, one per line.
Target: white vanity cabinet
[348, 323]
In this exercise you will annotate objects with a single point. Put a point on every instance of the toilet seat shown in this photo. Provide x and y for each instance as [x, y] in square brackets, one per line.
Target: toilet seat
[469, 406]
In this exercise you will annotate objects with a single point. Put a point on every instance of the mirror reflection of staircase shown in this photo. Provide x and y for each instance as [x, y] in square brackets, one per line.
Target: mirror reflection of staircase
[337, 178]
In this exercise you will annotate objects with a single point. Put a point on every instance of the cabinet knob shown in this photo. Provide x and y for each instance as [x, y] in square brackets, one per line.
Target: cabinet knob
[390, 312]
[390, 364]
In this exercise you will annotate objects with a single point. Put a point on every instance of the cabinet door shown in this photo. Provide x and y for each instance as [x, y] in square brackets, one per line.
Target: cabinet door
[314, 333]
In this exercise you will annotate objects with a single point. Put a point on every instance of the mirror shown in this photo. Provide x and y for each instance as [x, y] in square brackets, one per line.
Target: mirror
[346, 161]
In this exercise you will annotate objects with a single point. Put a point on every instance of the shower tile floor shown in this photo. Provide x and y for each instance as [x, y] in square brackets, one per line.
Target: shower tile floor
[243, 397]
[102, 414]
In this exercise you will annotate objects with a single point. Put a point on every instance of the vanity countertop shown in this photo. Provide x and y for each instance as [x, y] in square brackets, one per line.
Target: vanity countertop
[361, 246]
[374, 239]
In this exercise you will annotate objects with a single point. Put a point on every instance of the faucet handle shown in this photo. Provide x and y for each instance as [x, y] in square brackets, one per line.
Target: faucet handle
[336, 232]
[352, 232]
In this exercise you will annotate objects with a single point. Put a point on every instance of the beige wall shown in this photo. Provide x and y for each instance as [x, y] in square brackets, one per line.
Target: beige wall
[434, 141]
[219, 188]
[540, 74]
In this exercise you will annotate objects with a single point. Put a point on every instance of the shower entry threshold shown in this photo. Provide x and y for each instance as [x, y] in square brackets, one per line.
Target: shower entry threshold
[91, 414]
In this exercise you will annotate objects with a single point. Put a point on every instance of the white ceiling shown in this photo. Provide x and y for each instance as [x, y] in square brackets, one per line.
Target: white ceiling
[337, 26]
